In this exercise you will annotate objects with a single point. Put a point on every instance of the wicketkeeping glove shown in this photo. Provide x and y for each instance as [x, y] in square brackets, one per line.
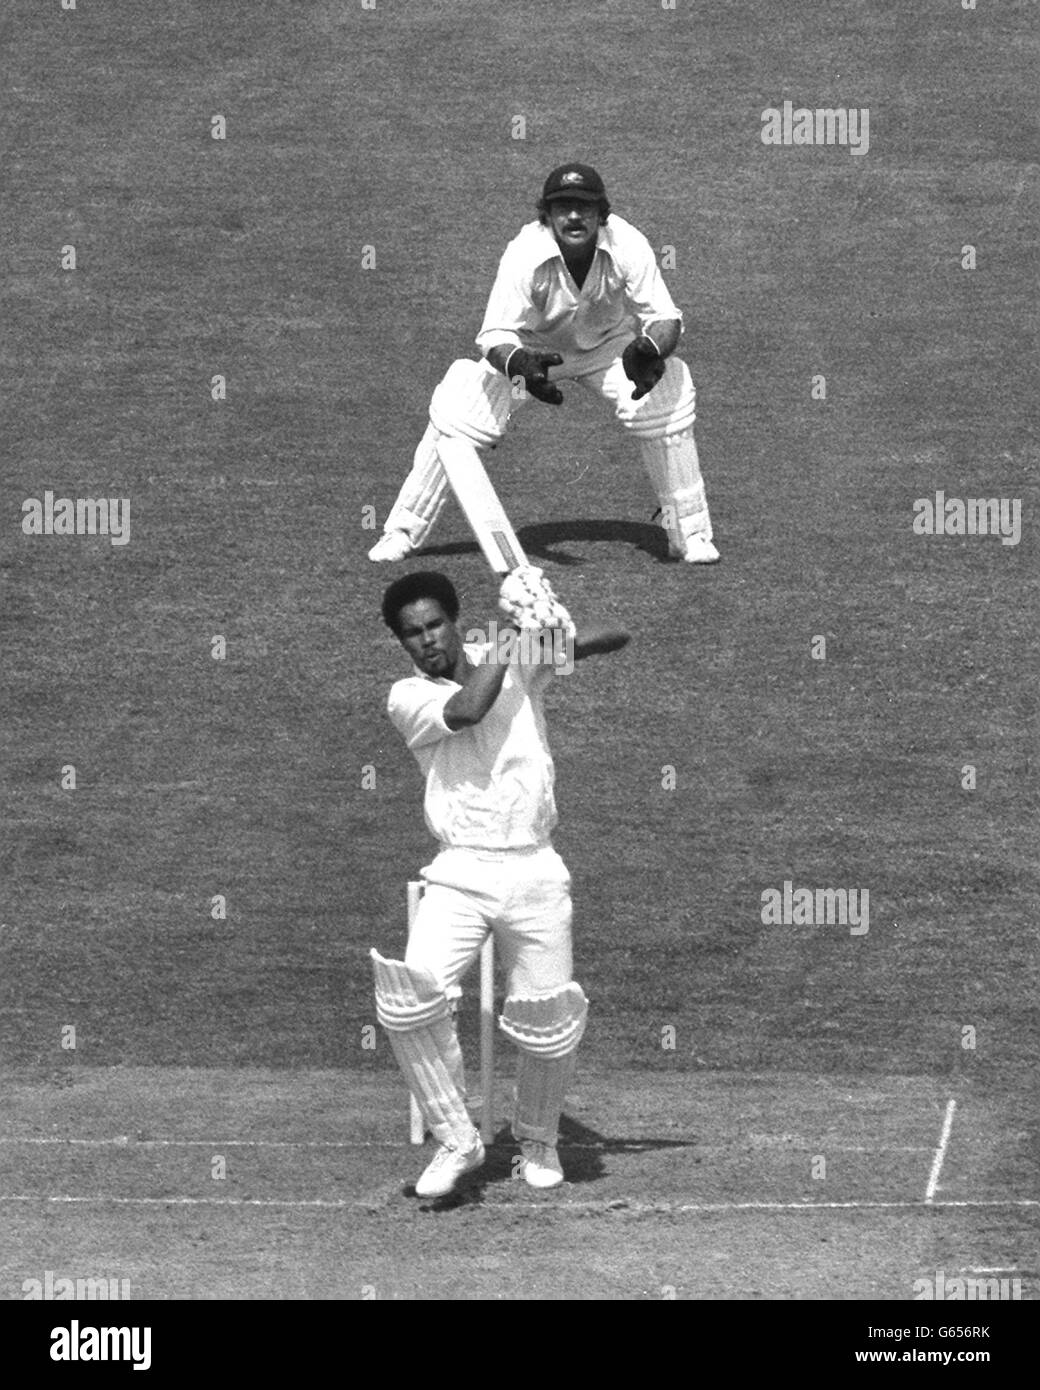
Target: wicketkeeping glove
[533, 367]
[527, 599]
[643, 365]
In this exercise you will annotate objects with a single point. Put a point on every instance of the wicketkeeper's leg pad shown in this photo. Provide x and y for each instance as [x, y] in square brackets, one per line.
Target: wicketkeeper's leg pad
[423, 493]
[670, 408]
[547, 1029]
[417, 1017]
[472, 402]
[675, 474]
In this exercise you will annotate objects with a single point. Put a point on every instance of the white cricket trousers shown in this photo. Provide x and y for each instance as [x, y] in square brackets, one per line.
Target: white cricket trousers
[522, 897]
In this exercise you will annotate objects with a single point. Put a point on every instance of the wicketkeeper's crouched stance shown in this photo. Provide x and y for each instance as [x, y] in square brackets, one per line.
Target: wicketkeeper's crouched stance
[578, 298]
[475, 725]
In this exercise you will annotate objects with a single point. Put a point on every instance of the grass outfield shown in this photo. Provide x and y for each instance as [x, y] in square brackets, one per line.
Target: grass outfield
[391, 128]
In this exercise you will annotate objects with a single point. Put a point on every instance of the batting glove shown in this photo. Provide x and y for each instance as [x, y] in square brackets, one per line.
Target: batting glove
[533, 367]
[527, 599]
[643, 365]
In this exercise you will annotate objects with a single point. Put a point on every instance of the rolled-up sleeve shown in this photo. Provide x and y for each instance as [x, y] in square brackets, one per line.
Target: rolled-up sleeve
[509, 308]
[416, 708]
[646, 293]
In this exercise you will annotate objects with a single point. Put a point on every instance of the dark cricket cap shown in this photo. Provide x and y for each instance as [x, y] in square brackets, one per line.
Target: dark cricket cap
[574, 181]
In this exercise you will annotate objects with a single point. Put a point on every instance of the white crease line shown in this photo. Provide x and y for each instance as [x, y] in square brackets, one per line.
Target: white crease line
[940, 1153]
[605, 1207]
[124, 1141]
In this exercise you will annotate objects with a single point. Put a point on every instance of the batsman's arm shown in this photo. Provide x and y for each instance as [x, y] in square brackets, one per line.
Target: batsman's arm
[599, 640]
[469, 705]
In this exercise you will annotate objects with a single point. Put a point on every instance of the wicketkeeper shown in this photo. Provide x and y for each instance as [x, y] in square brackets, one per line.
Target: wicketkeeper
[476, 727]
[578, 298]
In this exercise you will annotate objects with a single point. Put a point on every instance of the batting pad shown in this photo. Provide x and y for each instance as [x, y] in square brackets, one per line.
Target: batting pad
[418, 1022]
[541, 1089]
[547, 1025]
[547, 1029]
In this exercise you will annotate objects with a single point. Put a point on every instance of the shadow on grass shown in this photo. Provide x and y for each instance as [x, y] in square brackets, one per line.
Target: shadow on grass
[582, 1152]
[543, 540]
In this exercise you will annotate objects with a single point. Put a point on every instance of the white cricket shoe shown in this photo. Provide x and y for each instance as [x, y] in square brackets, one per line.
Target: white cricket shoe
[392, 545]
[697, 550]
[447, 1166]
[541, 1164]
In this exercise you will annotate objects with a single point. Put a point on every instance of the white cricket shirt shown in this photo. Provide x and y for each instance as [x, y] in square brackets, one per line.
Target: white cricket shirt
[488, 786]
[534, 302]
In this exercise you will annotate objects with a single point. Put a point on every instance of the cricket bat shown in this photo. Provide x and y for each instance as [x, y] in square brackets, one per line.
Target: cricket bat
[479, 501]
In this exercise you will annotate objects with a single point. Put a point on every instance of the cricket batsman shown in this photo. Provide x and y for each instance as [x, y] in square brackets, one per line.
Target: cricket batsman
[578, 298]
[476, 727]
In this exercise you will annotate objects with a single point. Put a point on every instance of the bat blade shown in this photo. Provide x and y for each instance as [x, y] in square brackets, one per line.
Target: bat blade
[480, 505]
